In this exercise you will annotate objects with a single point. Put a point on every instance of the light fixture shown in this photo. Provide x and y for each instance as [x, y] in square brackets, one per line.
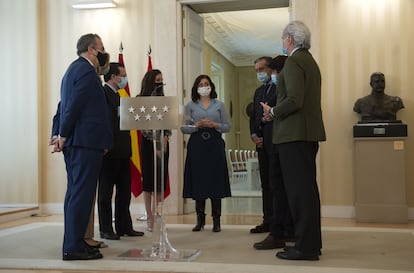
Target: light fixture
[93, 4]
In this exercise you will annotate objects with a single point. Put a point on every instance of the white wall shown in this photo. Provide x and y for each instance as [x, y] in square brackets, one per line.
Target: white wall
[19, 104]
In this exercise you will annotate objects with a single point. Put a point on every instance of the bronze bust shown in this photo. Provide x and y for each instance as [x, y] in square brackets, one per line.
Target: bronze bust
[378, 106]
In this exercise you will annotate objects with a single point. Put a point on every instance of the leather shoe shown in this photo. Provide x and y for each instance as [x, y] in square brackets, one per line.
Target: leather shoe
[270, 242]
[132, 233]
[109, 236]
[99, 244]
[294, 254]
[81, 256]
[262, 228]
[292, 248]
[90, 249]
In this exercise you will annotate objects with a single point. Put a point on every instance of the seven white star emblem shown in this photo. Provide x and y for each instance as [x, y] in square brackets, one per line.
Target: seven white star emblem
[148, 116]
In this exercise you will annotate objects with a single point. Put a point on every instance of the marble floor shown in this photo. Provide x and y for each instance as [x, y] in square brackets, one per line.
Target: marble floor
[229, 218]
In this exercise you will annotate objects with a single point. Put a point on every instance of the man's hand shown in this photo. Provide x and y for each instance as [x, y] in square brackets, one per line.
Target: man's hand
[266, 112]
[258, 141]
[54, 142]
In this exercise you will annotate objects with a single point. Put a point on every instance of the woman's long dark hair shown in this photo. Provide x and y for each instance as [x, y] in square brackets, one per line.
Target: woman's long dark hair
[194, 94]
[148, 83]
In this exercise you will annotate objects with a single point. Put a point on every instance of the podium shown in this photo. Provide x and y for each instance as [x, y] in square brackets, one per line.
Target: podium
[379, 165]
[156, 113]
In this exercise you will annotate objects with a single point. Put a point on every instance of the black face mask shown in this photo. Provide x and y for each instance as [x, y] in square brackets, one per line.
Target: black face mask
[159, 89]
[102, 58]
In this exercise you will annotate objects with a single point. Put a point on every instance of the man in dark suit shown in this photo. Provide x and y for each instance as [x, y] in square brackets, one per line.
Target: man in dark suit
[281, 227]
[116, 166]
[53, 142]
[261, 135]
[297, 129]
[84, 136]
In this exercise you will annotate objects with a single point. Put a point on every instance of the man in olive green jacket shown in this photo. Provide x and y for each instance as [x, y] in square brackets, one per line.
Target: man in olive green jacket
[297, 130]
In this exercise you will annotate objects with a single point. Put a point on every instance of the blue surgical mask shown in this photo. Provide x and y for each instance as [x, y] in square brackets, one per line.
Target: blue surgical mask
[123, 82]
[284, 51]
[263, 77]
[274, 79]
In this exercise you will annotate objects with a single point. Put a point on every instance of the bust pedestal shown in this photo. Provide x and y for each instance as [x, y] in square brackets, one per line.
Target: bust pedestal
[380, 186]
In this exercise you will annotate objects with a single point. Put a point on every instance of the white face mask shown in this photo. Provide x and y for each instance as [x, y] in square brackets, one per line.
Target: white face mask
[204, 91]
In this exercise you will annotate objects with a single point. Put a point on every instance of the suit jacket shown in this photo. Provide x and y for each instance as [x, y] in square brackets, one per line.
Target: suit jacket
[298, 113]
[122, 139]
[84, 119]
[264, 93]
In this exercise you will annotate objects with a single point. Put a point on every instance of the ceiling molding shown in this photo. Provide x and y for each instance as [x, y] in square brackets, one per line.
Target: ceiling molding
[204, 6]
[243, 36]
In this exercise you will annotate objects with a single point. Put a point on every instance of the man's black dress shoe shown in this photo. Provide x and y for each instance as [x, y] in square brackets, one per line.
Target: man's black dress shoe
[262, 228]
[109, 236]
[292, 248]
[294, 254]
[81, 256]
[91, 249]
[132, 233]
[270, 242]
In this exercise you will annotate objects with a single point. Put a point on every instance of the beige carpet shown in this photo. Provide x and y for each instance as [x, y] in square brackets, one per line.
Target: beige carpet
[38, 246]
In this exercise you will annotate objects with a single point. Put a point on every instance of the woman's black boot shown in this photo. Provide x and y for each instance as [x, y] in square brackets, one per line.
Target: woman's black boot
[201, 216]
[216, 211]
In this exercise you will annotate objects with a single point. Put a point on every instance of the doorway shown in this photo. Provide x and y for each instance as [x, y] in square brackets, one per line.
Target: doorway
[235, 88]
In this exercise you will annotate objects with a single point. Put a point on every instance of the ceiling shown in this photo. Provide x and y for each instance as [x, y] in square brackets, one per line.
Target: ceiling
[243, 30]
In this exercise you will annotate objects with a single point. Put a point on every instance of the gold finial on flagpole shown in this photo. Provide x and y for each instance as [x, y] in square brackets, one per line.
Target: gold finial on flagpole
[149, 50]
[121, 48]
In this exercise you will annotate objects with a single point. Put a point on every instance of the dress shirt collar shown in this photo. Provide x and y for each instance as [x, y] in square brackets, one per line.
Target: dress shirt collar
[112, 87]
[88, 60]
[294, 50]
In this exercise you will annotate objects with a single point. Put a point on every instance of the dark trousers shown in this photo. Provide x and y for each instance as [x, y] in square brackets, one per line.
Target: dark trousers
[82, 167]
[115, 172]
[297, 161]
[282, 224]
[267, 202]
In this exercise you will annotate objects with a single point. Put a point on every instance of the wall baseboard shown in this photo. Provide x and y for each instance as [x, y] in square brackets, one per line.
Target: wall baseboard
[57, 208]
[18, 214]
[349, 212]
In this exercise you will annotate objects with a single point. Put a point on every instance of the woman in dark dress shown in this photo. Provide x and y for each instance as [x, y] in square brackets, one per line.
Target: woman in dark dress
[152, 85]
[206, 173]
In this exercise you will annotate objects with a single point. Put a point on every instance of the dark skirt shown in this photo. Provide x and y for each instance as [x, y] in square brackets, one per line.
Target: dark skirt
[147, 159]
[206, 173]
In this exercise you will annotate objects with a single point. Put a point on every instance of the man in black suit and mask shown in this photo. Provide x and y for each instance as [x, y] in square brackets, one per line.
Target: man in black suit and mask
[116, 166]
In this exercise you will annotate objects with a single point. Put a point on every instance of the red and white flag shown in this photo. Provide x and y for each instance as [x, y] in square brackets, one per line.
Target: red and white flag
[135, 160]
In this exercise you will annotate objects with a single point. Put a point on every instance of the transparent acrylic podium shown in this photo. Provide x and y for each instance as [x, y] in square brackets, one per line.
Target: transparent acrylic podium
[154, 113]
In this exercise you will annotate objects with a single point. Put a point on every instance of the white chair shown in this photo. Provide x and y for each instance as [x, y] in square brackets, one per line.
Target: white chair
[238, 173]
[249, 154]
[240, 159]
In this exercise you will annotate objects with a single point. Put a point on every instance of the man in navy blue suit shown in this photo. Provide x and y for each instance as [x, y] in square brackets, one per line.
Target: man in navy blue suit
[84, 137]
